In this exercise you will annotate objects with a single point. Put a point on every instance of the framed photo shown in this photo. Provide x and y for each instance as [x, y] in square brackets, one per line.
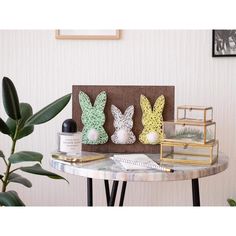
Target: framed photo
[224, 43]
[87, 34]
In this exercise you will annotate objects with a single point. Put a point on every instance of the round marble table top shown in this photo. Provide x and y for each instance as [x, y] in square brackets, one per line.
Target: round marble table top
[108, 169]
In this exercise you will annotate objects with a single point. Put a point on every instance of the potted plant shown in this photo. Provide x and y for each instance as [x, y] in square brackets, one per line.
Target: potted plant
[20, 123]
[231, 202]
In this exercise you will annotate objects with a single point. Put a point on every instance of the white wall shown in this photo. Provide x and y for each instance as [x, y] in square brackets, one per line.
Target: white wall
[44, 69]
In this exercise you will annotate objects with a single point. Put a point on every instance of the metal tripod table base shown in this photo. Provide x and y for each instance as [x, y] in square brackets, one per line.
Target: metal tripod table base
[110, 172]
[111, 196]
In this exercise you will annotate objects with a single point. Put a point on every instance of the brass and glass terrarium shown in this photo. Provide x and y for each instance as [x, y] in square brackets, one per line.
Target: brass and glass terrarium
[195, 154]
[194, 114]
[191, 138]
[199, 133]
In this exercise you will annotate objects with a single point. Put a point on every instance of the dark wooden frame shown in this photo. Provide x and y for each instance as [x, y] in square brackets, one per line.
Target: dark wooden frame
[213, 48]
[122, 97]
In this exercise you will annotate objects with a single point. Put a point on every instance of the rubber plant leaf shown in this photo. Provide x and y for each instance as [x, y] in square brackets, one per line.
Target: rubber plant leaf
[38, 170]
[231, 202]
[10, 99]
[15, 178]
[2, 154]
[25, 156]
[10, 198]
[4, 128]
[48, 112]
[25, 131]
[26, 111]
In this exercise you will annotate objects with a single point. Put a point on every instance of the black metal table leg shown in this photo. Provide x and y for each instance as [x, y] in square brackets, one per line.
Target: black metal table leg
[89, 192]
[113, 193]
[122, 195]
[195, 192]
[111, 197]
[106, 182]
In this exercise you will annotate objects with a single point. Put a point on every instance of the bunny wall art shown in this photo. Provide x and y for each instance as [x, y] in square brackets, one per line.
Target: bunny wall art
[152, 120]
[123, 124]
[93, 118]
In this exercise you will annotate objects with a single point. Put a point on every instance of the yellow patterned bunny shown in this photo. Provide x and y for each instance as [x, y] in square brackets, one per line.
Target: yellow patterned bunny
[152, 120]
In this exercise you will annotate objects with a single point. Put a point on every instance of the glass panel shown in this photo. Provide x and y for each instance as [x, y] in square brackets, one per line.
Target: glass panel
[194, 114]
[189, 133]
[189, 154]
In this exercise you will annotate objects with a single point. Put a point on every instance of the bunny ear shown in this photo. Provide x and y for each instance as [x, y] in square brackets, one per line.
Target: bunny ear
[100, 101]
[129, 112]
[116, 112]
[159, 104]
[145, 104]
[84, 101]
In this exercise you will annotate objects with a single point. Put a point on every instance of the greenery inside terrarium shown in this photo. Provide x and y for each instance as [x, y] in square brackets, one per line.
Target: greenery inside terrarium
[195, 135]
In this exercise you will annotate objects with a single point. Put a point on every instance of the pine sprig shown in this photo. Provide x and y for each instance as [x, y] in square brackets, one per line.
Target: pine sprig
[191, 133]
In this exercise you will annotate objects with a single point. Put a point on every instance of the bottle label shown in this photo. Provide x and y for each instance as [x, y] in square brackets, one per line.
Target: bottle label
[70, 144]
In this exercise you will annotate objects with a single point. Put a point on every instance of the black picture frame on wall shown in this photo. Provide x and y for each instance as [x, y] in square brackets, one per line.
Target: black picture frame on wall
[224, 43]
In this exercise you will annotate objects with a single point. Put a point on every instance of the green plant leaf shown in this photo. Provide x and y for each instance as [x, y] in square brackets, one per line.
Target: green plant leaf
[11, 124]
[231, 202]
[38, 170]
[25, 132]
[10, 198]
[26, 112]
[48, 112]
[1, 154]
[10, 99]
[4, 128]
[25, 156]
[15, 178]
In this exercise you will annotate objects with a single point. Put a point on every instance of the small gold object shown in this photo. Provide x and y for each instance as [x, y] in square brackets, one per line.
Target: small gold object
[80, 158]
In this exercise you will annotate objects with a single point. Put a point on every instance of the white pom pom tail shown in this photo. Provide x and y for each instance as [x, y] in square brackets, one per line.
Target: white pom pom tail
[122, 136]
[152, 137]
[93, 135]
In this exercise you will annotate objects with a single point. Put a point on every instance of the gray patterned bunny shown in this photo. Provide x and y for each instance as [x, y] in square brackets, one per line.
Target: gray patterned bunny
[123, 124]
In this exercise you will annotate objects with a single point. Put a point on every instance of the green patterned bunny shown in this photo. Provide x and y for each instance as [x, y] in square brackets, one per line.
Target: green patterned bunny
[93, 118]
[152, 120]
